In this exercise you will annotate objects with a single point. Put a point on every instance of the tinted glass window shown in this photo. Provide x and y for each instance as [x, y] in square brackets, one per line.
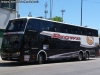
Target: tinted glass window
[82, 31]
[16, 25]
[90, 32]
[57, 27]
[33, 24]
[94, 32]
[30, 24]
[65, 28]
[46, 26]
[11, 41]
[75, 30]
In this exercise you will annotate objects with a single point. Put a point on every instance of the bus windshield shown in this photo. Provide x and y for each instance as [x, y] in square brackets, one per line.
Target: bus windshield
[16, 25]
[11, 41]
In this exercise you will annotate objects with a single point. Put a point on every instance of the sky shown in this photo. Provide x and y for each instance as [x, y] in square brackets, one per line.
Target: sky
[72, 14]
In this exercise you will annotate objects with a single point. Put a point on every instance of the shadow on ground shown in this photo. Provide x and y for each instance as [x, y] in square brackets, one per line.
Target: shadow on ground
[17, 64]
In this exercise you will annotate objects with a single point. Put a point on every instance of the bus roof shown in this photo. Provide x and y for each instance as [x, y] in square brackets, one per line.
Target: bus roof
[55, 21]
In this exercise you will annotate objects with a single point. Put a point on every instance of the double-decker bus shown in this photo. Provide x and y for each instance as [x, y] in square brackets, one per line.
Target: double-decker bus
[34, 39]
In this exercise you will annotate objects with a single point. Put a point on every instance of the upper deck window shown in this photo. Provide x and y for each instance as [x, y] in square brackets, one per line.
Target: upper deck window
[33, 24]
[16, 25]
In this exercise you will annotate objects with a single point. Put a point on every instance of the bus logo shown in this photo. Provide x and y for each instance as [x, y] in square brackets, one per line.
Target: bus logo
[59, 36]
[90, 40]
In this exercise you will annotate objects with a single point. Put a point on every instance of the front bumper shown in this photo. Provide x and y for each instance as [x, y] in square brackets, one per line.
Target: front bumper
[10, 56]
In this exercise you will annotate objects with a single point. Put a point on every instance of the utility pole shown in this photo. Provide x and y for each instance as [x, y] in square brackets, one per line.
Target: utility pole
[81, 12]
[62, 13]
[18, 15]
[46, 11]
[51, 6]
[29, 15]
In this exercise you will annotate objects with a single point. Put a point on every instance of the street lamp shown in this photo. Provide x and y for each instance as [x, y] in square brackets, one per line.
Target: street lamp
[46, 11]
[29, 15]
[62, 13]
[81, 11]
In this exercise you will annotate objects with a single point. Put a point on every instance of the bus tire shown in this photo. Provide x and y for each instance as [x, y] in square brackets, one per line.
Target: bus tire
[40, 59]
[80, 56]
[87, 56]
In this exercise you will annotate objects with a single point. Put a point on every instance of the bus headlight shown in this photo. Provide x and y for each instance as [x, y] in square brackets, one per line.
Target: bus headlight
[2, 53]
[17, 53]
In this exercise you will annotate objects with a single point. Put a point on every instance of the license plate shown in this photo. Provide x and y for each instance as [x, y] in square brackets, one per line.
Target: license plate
[26, 57]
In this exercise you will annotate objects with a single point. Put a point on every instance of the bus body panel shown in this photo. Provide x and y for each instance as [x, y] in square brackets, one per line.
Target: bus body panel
[54, 40]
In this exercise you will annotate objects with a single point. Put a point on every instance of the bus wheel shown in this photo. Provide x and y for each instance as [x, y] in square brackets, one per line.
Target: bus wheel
[80, 56]
[40, 59]
[87, 56]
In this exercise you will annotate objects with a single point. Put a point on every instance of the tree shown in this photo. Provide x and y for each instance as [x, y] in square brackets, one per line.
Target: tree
[57, 18]
[99, 35]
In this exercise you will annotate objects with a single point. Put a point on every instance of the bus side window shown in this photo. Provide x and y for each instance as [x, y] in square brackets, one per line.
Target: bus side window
[57, 27]
[90, 34]
[95, 33]
[74, 30]
[29, 25]
[64, 29]
[47, 26]
[84, 31]
[42, 28]
[50, 26]
[70, 29]
[32, 24]
[42, 25]
[78, 31]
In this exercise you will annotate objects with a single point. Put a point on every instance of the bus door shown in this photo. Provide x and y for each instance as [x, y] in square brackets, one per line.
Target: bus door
[26, 48]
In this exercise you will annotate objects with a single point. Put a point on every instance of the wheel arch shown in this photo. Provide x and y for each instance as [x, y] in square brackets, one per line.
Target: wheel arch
[81, 51]
[87, 51]
[42, 51]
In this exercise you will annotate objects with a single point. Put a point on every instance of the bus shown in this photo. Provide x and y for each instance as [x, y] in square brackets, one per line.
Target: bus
[31, 39]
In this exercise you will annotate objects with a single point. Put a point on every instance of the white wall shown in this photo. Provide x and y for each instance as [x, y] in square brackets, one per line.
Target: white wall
[5, 16]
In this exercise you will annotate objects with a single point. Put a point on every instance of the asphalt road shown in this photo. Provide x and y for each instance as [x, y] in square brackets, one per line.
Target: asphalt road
[90, 67]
